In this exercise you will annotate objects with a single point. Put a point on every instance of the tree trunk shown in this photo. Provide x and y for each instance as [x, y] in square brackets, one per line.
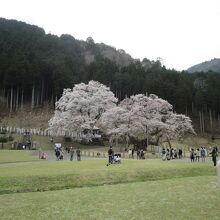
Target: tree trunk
[4, 92]
[42, 92]
[46, 95]
[203, 122]
[127, 141]
[116, 142]
[210, 118]
[51, 101]
[200, 121]
[22, 99]
[218, 120]
[11, 99]
[192, 108]
[7, 99]
[168, 141]
[37, 98]
[32, 97]
[17, 96]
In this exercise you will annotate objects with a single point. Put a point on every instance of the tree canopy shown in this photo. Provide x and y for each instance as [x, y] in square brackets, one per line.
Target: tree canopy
[140, 117]
[143, 117]
[80, 108]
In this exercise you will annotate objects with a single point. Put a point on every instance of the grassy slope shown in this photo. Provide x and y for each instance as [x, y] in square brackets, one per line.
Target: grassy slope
[53, 175]
[181, 198]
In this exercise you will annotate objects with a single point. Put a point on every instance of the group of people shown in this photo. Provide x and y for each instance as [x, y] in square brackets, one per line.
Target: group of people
[141, 154]
[195, 155]
[112, 157]
[60, 154]
[131, 153]
[78, 154]
[171, 153]
[167, 154]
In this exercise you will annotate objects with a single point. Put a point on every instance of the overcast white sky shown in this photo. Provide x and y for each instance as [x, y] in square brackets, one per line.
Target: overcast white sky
[181, 32]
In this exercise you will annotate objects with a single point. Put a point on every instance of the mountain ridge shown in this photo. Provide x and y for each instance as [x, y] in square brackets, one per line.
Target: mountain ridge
[206, 66]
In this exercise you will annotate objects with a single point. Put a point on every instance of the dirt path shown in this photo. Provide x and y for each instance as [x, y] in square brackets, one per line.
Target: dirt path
[50, 155]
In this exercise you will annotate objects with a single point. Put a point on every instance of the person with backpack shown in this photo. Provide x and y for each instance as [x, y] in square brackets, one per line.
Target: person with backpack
[203, 154]
[192, 155]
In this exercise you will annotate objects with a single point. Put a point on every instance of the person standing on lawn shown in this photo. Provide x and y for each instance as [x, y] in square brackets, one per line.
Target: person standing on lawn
[71, 153]
[110, 156]
[214, 154]
[78, 154]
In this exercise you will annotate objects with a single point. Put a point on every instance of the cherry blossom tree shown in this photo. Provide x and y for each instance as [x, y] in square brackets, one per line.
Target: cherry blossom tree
[138, 118]
[142, 117]
[79, 109]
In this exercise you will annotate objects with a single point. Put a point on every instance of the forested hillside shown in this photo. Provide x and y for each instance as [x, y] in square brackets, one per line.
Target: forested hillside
[35, 67]
[207, 66]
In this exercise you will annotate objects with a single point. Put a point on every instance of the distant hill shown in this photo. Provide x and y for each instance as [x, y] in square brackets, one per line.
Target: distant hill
[35, 66]
[212, 65]
[120, 57]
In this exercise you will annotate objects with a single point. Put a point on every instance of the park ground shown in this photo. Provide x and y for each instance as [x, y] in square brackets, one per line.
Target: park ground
[135, 189]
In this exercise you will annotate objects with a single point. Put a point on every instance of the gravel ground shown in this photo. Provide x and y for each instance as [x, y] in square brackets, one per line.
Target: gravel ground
[50, 155]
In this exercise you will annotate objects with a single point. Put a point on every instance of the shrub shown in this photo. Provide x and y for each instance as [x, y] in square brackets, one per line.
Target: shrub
[3, 139]
[10, 138]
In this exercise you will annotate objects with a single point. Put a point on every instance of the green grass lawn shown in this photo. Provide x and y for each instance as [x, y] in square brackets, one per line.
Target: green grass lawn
[178, 198]
[135, 189]
[54, 175]
[7, 156]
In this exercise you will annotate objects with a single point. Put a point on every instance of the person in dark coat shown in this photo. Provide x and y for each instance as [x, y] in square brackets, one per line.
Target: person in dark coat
[57, 153]
[132, 153]
[138, 153]
[110, 155]
[78, 154]
[192, 155]
[71, 153]
[180, 153]
[214, 154]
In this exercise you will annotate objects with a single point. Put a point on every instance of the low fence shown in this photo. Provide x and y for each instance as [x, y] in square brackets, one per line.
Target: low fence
[41, 132]
[33, 131]
[99, 154]
[124, 155]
